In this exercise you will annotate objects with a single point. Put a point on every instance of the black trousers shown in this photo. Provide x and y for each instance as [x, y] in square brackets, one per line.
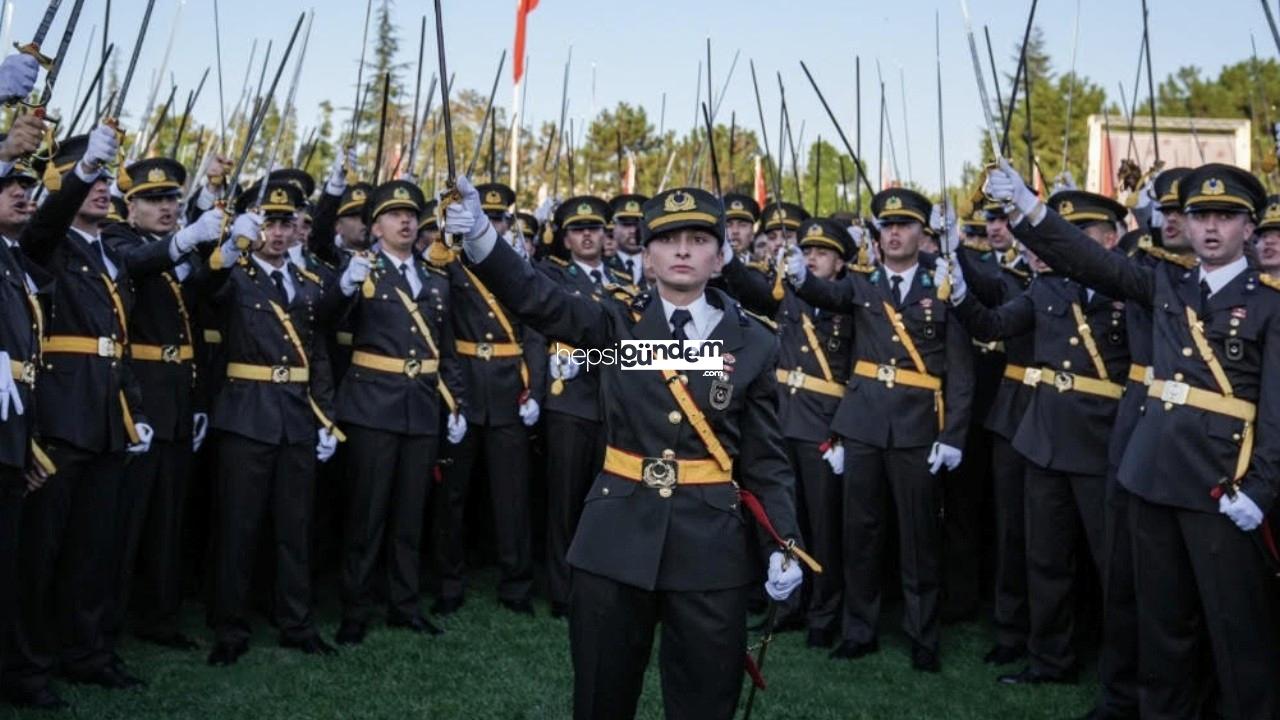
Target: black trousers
[1059, 509]
[258, 480]
[12, 488]
[575, 454]
[506, 450]
[1198, 575]
[611, 627]
[1118, 656]
[823, 506]
[152, 505]
[1010, 615]
[388, 479]
[66, 568]
[874, 478]
[963, 491]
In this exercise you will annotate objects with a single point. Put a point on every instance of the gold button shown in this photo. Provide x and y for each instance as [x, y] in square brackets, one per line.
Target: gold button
[490, 314]
[1235, 436]
[684, 379]
[604, 491]
[1235, 322]
[413, 352]
[413, 329]
[674, 417]
[664, 492]
[1074, 341]
[1232, 332]
[895, 339]
[1066, 364]
[1168, 406]
[1186, 352]
[488, 336]
[668, 454]
[804, 348]
[1177, 376]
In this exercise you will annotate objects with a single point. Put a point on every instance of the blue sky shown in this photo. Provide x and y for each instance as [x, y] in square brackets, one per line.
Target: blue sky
[640, 50]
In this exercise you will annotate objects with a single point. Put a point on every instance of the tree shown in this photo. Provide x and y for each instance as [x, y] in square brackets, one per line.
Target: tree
[1245, 89]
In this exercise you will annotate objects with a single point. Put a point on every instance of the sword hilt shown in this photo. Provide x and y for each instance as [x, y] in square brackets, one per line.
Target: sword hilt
[33, 49]
[450, 196]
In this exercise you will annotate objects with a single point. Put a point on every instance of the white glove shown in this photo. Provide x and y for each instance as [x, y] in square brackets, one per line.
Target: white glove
[1146, 195]
[206, 228]
[784, 577]
[942, 454]
[466, 217]
[103, 144]
[336, 183]
[835, 458]
[326, 446]
[457, 428]
[1006, 185]
[1157, 217]
[726, 253]
[544, 210]
[796, 267]
[9, 396]
[856, 232]
[564, 367]
[959, 288]
[17, 76]
[199, 428]
[145, 433]
[1244, 512]
[357, 270]
[529, 412]
[1064, 181]
[248, 226]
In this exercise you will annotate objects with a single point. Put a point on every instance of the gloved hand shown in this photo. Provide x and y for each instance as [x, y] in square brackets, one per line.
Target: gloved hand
[326, 446]
[1243, 511]
[358, 269]
[199, 428]
[544, 210]
[206, 228]
[457, 428]
[1064, 181]
[1157, 217]
[247, 226]
[726, 253]
[1146, 195]
[784, 577]
[466, 217]
[103, 144]
[24, 138]
[796, 267]
[336, 182]
[17, 76]
[835, 458]
[9, 396]
[560, 365]
[529, 412]
[943, 454]
[1007, 186]
[943, 222]
[959, 288]
[145, 433]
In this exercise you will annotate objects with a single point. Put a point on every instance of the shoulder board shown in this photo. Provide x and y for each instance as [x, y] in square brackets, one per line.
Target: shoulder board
[773, 326]
[439, 255]
[558, 260]
[320, 261]
[761, 266]
[433, 269]
[1269, 281]
[1016, 272]
[864, 269]
[639, 303]
[621, 276]
[309, 275]
[1159, 253]
[978, 245]
[627, 290]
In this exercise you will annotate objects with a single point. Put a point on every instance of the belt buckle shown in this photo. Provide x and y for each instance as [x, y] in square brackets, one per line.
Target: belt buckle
[28, 375]
[412, 367]
[279, 374]
[1175, 392]
[169, 353]
[886, 374]
[1032, 376]
[106, 347]
[1064, 381]
[659, 473]
[484, 350]
[795, 379]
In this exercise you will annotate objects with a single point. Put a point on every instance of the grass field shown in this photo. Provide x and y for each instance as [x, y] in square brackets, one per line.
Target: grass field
[492, 664]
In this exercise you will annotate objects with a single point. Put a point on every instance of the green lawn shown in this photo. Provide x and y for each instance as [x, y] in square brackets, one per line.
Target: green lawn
[491, 664]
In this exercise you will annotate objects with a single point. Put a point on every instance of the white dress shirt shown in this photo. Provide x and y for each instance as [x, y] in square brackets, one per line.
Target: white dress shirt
[587, 270]
[95, 245]
[406, 268]
[268, 268]
[705, 317]
[908, 276]
[637, 265]
[1219, 278]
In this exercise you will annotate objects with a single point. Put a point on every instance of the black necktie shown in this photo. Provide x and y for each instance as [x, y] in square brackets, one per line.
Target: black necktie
[896, 282]
[277, 277]
[404, 270]
[1205, 292]
[102, 253]
[679, 318]
[631, 269]
[595, 277]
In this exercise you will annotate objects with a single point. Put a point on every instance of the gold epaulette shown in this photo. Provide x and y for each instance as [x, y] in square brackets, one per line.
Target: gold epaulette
[439, 254]
[630, 291]
[1269, 281]
[1016, 272]
[558, 260]
[761, 266]
[864, 269]
[1186, 262]
[432, 268]
[763, 320]
[978, 245]
[309, 275]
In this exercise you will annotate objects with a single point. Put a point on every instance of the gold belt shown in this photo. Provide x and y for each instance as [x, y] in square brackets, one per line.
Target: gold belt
[162, 353]
[1180, 393]
[487, 350]
[344, 339]
[104, 347]
[1016, 373]
[664, 472]
[409, 367]
[23, 372]
[795, 379]
[213, 337]
[1141, 374]
[268, 373]
[1067, 382]
[892, 375]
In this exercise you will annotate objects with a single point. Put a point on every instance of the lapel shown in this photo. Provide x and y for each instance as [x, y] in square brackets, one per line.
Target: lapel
[1065, 288]
[1232, 294]
[729, 332]
[917, 289]
[13, 270]
[653, 323]
[391, 269]
[1188, 289]
[880, 280]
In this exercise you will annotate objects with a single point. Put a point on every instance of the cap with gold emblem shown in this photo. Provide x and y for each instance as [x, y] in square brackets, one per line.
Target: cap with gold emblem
[1271, 216]
[901, 205]
[393, 195]
[1166, 187]
[428, 219]
[353, 200]
[582, 211]
[69, 153]
[626, 208]
[680, 209]
[1221, 187]
[976, 223]
[155, 178]
[495, 199]
[826, 233]
[1085, 208]
[299, 178]
[741, 207]
[786, 215]
[527, 225]
[19, 173]
[282, 199]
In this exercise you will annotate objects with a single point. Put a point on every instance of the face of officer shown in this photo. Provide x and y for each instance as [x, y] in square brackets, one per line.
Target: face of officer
[304, 226]
[777, 237]
[824, 263]
[15, 208]
[155, 215]
[683, 260]
[426, 236]
[1218, 236]
[998, 233]
[352, 228]
[740, 234]
[1268, 251]
[900, 244]
[96, 205]
[1174, 231]
[396, 230]
[627, 235]
[1103, 233]
[585, 243]
[277, 232]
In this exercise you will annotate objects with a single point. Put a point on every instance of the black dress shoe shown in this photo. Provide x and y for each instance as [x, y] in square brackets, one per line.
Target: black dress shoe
[227, 653]
[350, 633]
[419, 625]
[446, 605]
[1004, 654]
[310, 645]
[924, 659]
[519, 607]
[850, 650]
[820, 638]
[1031, 676]
[110, 676]
[42, 699]
[559, 610]
[174, 640]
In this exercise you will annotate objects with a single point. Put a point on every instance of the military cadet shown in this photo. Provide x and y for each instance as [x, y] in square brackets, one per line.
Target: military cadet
[428, 229]
[625, 213]
[902, 420]
[1268, 238]
[505, 373]
[670, 453]
[161, 356]
[778, 223]
[813, 368]
[1201, 465]
[90, 414]
[274, 413]
[741, 214]
[575, 445]
[527, 227]
[404, 380]
[497, 200]
[1081, 355]
[338, 226]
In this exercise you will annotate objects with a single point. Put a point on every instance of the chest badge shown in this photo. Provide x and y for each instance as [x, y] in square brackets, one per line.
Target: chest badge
[721, 393]
[1235, 348]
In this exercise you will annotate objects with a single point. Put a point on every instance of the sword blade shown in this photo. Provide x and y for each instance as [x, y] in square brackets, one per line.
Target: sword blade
[52, 76]
[487, 111]
[992, 135]
[445, 117]
[43, 29]
[123, 93]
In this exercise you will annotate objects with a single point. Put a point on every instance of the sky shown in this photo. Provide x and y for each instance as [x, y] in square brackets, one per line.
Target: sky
[637, 51]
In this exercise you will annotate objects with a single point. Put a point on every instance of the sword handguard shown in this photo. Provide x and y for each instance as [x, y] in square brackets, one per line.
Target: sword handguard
[33, 49]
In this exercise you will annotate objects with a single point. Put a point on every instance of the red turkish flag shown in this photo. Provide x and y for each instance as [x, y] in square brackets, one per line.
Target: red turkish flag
[759, 188]
[523, 8]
